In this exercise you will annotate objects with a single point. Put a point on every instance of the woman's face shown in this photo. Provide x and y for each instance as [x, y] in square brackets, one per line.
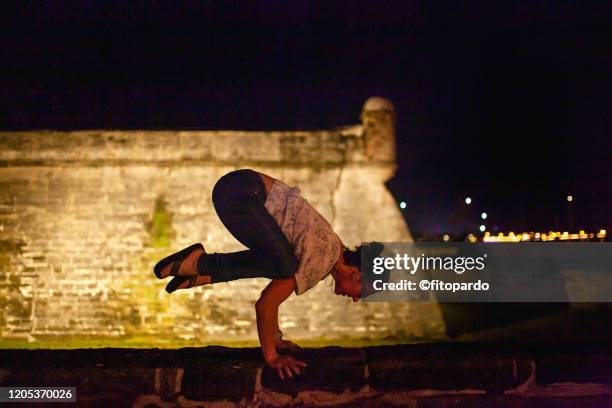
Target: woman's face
[348, 282]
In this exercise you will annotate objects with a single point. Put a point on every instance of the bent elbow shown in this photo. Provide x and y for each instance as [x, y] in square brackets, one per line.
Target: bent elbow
[263, 308]
[259, 306]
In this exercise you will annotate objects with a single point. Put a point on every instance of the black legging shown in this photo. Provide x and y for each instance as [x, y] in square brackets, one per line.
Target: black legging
[239, 198]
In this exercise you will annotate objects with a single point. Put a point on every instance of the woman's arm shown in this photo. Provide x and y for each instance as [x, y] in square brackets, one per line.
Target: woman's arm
[266, 308]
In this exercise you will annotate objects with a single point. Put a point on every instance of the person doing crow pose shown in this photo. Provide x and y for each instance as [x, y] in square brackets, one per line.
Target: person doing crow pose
[288, 242]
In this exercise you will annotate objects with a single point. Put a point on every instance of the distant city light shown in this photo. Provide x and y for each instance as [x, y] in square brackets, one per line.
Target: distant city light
[482, 228]
[403, 205]
[468, 200]
[543, 236]
[570, 198]
[483, 215]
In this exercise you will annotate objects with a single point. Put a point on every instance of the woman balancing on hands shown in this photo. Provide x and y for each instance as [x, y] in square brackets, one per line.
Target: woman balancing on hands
[289, 242]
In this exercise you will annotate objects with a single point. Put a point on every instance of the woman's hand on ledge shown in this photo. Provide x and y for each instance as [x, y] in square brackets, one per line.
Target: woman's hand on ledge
[285, 364]
[286, 345]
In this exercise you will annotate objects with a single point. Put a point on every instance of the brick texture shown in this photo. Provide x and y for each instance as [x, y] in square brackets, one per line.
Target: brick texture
[85, 215]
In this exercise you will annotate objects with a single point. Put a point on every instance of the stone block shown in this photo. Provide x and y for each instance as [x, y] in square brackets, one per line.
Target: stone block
[468, 401]
[331, 369]
[219, 373]
[585, 401]
[572, 365]
[447, 366]
[91, 379]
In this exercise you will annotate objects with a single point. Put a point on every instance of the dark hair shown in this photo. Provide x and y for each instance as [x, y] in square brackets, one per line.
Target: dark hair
[354, 258]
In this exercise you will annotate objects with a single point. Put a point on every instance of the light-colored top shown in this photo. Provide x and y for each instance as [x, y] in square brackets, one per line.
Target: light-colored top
[316, 245]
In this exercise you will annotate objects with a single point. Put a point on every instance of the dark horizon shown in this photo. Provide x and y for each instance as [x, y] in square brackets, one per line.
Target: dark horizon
[508, 104]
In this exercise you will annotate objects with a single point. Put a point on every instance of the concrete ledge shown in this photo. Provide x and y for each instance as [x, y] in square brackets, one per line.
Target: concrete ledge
[427, 375]
[589, 366]
[329, 369]
[454, 366]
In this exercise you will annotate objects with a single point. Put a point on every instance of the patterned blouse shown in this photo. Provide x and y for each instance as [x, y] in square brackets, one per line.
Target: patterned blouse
[316, 245]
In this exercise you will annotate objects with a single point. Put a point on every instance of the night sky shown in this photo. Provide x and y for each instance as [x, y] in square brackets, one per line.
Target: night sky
[509, 103]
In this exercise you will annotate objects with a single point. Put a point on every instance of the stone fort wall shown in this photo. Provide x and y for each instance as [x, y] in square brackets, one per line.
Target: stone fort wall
[84, 216]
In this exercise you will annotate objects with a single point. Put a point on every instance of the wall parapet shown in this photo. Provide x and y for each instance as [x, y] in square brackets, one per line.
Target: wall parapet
[45, 147]
[371, 142]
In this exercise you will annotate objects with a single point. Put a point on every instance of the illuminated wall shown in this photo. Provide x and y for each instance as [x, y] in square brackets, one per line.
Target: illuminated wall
[85, 215]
